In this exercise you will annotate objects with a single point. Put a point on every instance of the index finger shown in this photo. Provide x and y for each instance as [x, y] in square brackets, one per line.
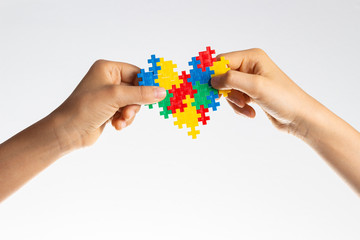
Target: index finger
[114, 72]
[247, 61]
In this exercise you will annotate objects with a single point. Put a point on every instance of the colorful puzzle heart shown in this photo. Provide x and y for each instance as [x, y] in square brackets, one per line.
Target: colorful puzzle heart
[188, 96]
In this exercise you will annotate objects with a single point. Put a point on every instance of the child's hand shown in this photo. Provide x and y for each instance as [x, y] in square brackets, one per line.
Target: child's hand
[255, 77]
[106, 93]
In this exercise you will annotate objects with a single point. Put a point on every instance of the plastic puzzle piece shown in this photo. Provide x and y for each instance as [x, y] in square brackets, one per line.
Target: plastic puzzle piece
[166, 76]
[148, 78]
[176, 102]
[184, 77]
[179, 94]
[164, 104]
[206, 76]
[198, 75]
[203, 90]
[221, 67]
[212, 97]
[154, 67]
[195, 72]
[206, 59]
[188, 96]
[203, 117]
[188, 117]
[224, 93]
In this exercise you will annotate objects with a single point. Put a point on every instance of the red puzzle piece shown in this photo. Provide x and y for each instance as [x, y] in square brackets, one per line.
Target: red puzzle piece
[206, 59]
[203, 117]
[179, 94]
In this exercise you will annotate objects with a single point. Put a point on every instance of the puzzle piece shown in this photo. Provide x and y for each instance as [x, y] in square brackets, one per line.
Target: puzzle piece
[206, 59]
[213, 103]
[154, 67]
[166, 76]
[176, 102]
[198, 75]
[203, 90]
[188, 96]
[221, 67]
[203, 117]
[148, 78]
[164, 104]
[189, 117]
[179, 94]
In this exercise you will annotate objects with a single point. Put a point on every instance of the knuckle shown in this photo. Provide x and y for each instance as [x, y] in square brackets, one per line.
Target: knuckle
[117, 95]
[100, 64]
[219, 56]
[258, 51]
[142, 93]
[229, 77]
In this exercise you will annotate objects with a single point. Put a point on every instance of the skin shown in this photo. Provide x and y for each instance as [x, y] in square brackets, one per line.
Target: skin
[254, 77]
[106, 94]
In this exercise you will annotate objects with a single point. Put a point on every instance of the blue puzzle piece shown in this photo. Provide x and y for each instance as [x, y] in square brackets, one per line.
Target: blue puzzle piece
[212, 97]
[194, 63]
[206, 76]
[154, 67]
[196, 75]
[148, 78]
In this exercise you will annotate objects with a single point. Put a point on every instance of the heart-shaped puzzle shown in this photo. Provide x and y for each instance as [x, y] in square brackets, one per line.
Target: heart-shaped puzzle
[188, 96]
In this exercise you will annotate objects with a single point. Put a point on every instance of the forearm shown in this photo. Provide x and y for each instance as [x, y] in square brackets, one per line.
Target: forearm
[336, 141]
[30, 151]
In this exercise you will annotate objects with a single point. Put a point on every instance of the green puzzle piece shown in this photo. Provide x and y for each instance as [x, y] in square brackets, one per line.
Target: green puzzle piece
[203, 90]
[164, 104]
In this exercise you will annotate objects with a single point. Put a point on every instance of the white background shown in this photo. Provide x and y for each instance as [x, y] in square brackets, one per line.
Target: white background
[241, 179]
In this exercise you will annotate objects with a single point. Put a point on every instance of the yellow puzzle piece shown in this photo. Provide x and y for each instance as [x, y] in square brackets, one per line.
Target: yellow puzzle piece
[221, 67]
[167, 76]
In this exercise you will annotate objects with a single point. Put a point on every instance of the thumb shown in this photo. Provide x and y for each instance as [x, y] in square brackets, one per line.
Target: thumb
[244, 82]
[127, 95]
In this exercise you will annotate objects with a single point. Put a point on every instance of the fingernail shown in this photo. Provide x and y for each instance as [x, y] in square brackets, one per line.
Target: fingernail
[159, 93]
[122, 125]
[213, 80]
[236, 101]
[131, 115]
[246, 113]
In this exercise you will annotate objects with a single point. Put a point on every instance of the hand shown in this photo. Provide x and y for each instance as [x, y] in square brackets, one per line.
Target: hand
[106, 93]
[255, 77]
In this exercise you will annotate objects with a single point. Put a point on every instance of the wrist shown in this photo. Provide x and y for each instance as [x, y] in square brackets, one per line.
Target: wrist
[308, 121]
[67, 137]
